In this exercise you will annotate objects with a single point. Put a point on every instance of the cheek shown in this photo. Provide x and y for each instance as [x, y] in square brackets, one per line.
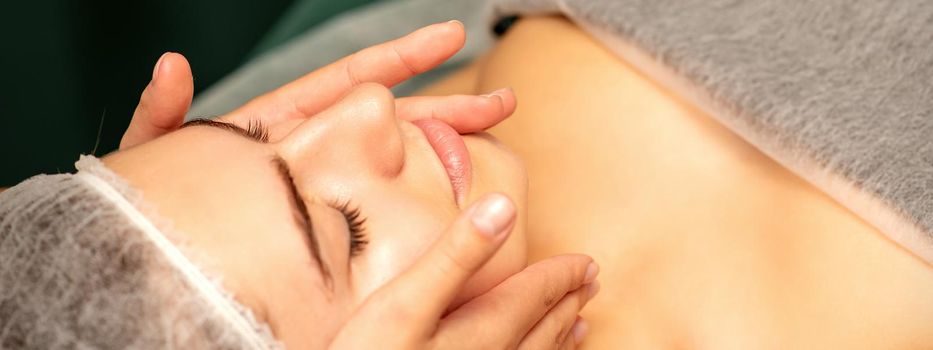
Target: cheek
[509, 260]
[394, 244]
[387, 256]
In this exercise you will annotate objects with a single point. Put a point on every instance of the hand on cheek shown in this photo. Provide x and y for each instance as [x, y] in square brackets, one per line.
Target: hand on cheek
[543, 300]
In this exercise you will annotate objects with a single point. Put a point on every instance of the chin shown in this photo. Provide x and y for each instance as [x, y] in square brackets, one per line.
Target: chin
[496, 169]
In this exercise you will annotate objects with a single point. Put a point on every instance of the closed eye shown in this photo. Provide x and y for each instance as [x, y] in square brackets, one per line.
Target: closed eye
[355, 225]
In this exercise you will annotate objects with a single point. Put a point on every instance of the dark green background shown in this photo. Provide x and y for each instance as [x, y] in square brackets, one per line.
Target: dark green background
[68, 64]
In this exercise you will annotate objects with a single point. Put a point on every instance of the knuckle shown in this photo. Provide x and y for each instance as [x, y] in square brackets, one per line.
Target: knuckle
[553, 286]
[552, 330]
[561, 319]
[575, 267]
[406, 62]
[551, 296]
[350, 72]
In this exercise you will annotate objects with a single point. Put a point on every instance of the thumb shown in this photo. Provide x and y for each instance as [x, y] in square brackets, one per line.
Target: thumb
[164, 102]
[471, 241]
[416, 299]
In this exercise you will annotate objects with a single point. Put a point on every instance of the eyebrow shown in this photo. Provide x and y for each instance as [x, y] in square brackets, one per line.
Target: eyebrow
[254, 131]
[257, 133]
[285, 173]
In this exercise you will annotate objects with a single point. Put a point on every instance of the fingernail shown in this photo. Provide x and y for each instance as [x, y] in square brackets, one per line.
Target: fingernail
[493, 215]
[457, 22]
[497, 93]
[155, 71]
[592, 290]
[579, 330]
[591, 271]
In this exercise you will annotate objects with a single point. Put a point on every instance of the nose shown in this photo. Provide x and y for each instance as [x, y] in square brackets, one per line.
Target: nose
[359, 133]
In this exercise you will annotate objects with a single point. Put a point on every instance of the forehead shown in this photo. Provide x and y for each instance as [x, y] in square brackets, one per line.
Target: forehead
[223, 195]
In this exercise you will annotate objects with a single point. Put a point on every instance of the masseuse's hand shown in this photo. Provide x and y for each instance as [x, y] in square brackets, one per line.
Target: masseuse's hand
[164, 102]
[534, 309]
[166, 99]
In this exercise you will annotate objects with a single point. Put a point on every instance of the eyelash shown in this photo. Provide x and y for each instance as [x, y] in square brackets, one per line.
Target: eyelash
[355, 223]
[256, 130]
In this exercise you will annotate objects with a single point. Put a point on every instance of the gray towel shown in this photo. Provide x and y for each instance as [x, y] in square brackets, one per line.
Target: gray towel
[836, 90]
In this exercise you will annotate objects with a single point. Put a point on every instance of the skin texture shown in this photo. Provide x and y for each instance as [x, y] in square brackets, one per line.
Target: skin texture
[355, 151]
[535, 308]
[705, 243]
[743, 255]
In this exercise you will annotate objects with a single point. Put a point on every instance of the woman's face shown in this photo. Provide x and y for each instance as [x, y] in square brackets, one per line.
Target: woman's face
[361, 175]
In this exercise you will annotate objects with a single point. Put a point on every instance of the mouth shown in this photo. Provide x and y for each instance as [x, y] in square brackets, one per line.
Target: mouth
[453, 153]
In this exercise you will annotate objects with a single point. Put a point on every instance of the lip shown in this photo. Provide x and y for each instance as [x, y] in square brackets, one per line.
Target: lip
[453, 153]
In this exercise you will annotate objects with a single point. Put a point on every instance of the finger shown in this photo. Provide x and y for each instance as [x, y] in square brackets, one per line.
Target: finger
[569, 344]
[163, 103]
[465, 113]
[517, 304]
[457, 255]
[471, 240]
[561, 321]
[579, 331]
[388, 64]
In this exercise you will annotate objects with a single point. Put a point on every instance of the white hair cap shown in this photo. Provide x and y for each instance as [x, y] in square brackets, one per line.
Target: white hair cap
[82, 267]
